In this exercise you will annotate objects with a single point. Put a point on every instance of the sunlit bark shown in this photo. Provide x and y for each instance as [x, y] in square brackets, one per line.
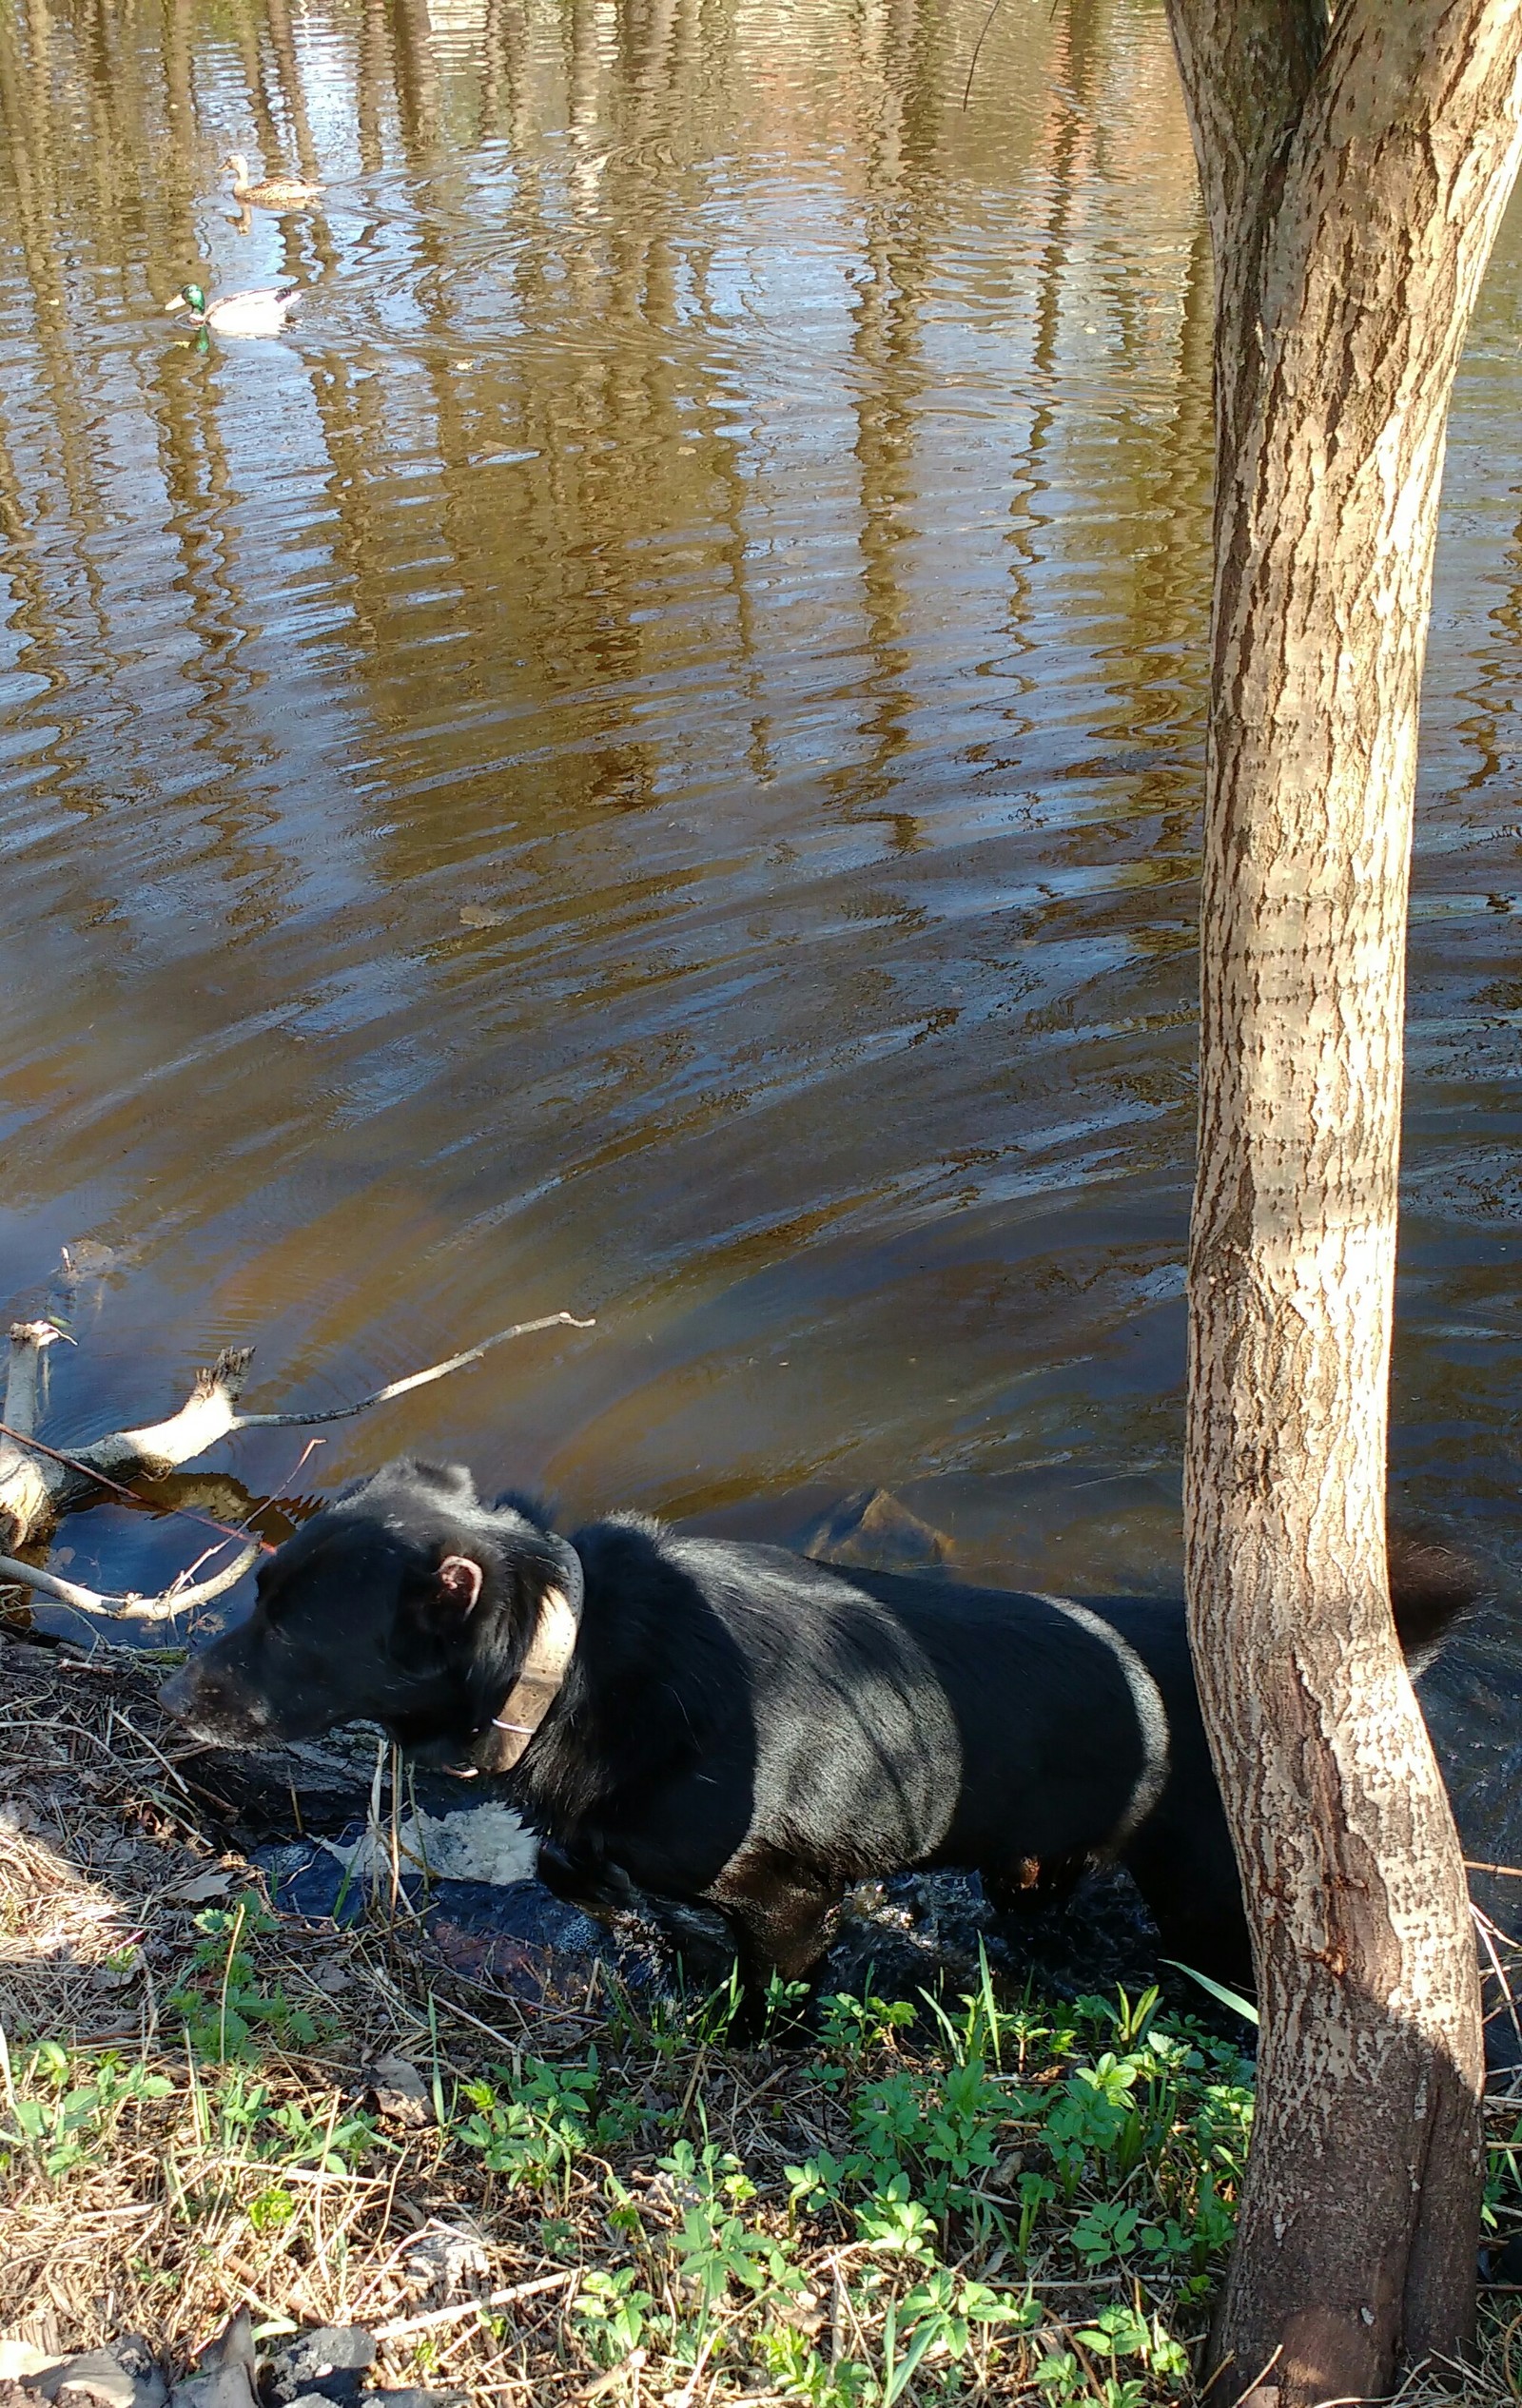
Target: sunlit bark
[1354, 177]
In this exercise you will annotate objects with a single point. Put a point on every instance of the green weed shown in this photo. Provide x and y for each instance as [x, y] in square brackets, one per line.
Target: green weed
[67, 2113]
[224, 2004]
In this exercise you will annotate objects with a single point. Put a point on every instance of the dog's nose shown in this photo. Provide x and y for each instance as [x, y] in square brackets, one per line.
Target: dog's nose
[177, 1695]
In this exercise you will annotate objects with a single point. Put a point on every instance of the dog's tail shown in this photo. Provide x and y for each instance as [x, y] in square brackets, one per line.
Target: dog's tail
[1433, 1588]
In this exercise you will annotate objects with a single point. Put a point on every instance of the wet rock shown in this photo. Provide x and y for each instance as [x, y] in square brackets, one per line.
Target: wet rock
[304, 1879]
[329, 2364]
[509, 1960]
[921, 1930]
[872, 1529]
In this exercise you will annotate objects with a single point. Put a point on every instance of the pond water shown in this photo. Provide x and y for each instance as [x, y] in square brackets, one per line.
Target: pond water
[645, 758]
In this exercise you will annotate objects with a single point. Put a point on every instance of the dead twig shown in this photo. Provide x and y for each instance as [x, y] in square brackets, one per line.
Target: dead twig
[436, 2316]
[414, 1379]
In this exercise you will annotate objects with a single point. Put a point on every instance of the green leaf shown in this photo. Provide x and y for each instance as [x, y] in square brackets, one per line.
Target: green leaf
[1232, 1998]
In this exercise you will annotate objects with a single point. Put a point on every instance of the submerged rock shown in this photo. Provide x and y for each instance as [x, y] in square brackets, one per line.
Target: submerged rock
[873, 1529]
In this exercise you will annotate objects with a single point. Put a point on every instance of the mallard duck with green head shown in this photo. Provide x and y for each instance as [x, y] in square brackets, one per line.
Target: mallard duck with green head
[269, 192]
[253, 313]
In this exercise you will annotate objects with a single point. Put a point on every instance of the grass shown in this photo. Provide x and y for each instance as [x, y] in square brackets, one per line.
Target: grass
[599, 2199]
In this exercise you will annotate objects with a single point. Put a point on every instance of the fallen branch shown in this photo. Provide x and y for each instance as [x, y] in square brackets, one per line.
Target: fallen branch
[23, 1482]
[130, 1608]
[38, 1483]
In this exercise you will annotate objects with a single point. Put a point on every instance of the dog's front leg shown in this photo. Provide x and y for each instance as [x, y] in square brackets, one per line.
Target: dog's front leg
[700, 1934]
[598, 1890]
[784, 1917]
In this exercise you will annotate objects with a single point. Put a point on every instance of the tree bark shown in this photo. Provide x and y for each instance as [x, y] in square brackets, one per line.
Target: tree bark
[1355, 174]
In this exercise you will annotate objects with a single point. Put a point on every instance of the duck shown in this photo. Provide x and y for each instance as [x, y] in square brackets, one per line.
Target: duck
[254, 312]
[274, 192]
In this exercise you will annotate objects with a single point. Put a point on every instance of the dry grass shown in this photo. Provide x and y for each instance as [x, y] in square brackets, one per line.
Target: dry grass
[631, 2209]
[178, 2210]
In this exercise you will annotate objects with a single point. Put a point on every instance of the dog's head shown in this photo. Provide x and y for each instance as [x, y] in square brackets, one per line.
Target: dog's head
[407, 1603]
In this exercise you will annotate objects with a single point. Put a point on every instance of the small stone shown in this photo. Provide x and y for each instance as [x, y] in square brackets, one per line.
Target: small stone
[329, 2361]
[226, 2371]
[400, 2092]
[122, 2375]
[444, 2258]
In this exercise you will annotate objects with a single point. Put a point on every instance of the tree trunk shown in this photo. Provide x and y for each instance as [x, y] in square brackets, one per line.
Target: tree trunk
[1354, 180]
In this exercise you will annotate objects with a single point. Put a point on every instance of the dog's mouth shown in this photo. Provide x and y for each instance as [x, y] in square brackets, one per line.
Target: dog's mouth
[214, 1722]
[448, 1753]
[223, 1736]
[212, 1730]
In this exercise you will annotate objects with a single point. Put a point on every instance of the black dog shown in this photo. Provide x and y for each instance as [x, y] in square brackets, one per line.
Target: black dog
[693, 1724]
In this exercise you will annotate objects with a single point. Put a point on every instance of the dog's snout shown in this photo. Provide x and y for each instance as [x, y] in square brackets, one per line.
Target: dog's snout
[211, 1700]
[177, 1696]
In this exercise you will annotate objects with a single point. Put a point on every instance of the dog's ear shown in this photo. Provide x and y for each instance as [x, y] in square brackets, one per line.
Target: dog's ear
[456, 1480]
[458, 1582]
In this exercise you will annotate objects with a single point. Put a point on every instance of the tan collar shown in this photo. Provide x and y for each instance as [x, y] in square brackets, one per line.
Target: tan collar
[534, 1690]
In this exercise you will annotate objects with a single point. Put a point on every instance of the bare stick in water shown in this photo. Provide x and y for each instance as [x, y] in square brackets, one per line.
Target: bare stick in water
[414, 1379]
[39, 1483]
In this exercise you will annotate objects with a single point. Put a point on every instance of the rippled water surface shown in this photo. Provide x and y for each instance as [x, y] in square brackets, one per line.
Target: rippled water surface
[645, 758]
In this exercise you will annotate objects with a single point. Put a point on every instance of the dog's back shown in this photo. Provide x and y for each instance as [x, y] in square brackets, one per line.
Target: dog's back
[901, 1720]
